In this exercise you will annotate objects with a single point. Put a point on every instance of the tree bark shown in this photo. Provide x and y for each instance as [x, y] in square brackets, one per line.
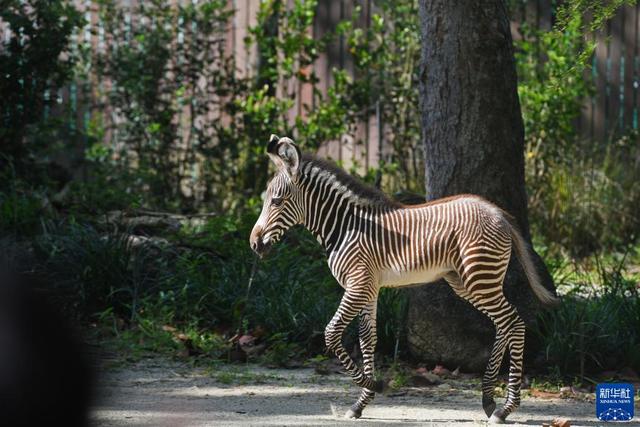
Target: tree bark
[473, 138]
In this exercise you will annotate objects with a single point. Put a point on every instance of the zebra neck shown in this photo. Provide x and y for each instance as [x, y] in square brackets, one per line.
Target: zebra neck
[332, 214]
[329, 221]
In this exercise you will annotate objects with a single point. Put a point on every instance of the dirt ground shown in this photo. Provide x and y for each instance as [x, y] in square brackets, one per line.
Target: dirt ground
[166, 393]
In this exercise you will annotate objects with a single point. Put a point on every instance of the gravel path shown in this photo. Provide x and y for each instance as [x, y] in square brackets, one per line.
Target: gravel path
[164, 393]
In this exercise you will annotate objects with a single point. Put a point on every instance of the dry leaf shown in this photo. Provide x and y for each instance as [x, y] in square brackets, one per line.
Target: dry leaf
[440, 370]
[561, 422]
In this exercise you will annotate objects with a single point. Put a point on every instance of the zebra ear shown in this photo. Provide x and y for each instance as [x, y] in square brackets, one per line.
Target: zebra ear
[285, 154]
[273, 142]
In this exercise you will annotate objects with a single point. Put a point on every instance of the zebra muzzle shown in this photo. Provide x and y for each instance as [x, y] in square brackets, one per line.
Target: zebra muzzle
[259, 247]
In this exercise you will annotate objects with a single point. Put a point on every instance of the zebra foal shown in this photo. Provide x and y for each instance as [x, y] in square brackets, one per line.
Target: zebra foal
[373, 242]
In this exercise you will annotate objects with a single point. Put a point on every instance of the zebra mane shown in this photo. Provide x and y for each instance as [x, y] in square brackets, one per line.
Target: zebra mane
[363, 193]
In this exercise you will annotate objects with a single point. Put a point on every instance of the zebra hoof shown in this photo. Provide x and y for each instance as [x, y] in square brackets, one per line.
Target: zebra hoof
[353, 414]
[497, 417]
[489, 405]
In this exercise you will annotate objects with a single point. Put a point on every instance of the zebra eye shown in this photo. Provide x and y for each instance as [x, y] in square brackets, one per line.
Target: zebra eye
[277, 201]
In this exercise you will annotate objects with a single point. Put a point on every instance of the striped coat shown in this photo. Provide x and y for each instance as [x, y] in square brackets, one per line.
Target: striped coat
[373, 242]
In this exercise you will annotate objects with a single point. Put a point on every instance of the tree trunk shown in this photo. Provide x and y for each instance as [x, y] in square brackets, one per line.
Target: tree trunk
[474, 142]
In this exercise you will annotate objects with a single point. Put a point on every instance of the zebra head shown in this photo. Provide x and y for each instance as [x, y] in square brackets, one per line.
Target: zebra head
[283, 200]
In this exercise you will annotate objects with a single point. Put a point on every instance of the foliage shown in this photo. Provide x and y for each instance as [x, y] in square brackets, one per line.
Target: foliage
[98, 270]
[146, 284]
[597, 325]
[102, 193]
[551, 90]
[590, 204]
[386, 55]
[172, 67]
[392, 323]
[35, 61]
[400, 377]
[139, 286]
[166, 69]
[581, 195]
[21, 205]
[599, 11]
[286, 296]
[281, 351]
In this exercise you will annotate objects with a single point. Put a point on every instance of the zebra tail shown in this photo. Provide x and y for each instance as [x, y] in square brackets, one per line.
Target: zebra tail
[523, 253]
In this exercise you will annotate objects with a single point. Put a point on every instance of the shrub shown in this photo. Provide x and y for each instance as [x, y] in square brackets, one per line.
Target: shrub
[204, 286]
[292, 291]
[386, 56]
[96, 271]
[171, 67]
[597, 325]
[582, 194]
[589, 204]
[35, 61]
[21, 207]
[551, 86]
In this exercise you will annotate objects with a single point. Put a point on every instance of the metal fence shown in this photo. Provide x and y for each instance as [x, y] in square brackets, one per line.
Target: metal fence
[615, 104]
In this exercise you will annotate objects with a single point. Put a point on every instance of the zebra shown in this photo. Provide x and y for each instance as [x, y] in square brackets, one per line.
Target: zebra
[373, 241]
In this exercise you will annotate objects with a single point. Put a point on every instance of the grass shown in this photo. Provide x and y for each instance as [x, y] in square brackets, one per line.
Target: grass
[157, 297]
[597, 325]
[586, 202]
[146, 295]
[21, 205]
[400, 376]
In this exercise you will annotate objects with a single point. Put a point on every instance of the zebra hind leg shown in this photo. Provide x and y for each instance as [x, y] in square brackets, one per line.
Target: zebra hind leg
[499, 347]
[515, 342]
[368, 339]
[503, 315]
[491, 373]
[509, 333]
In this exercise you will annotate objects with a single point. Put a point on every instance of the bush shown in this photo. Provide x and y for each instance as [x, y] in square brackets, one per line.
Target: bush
[108, 272]
[213, 283]
[158, 68]
[582, 194]
[35, 61]
[590, 204]
[551, 87]
[21, 208]
[597, 325]
[95, 271]
[292, 292]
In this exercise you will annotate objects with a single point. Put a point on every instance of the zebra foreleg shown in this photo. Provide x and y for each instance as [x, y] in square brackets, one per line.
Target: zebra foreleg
[352, 303]
[368, 340]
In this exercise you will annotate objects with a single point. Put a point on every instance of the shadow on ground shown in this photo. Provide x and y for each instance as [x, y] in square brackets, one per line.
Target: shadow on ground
[161, 393]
